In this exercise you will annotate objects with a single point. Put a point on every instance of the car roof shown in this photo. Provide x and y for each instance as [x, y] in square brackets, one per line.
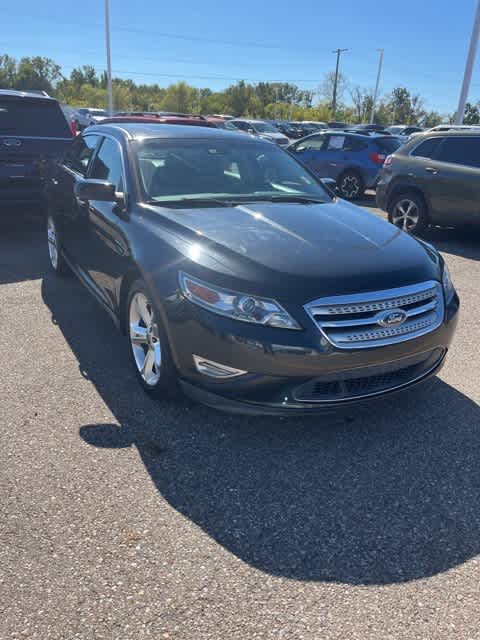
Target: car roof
[13, 93]
[447, 134]
[137, 131]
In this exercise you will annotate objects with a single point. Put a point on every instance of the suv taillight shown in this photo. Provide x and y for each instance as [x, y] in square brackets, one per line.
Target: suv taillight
[73, 127]
[377, 158]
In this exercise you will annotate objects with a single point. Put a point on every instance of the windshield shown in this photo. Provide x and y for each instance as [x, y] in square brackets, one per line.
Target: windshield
[264, 127]
[174, 170]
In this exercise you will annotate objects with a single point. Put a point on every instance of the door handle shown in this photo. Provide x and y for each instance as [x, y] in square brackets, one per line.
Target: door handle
[431, 170]
[332, 164]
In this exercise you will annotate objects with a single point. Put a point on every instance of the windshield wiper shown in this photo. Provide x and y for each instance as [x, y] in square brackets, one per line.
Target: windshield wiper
[193, 202]
[293, 198]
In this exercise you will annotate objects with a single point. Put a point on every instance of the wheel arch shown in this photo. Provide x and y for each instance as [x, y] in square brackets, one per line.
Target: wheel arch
[128, 279]
[407, 188]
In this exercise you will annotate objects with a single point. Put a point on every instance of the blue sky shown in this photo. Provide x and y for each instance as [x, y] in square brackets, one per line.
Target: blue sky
[213, 43]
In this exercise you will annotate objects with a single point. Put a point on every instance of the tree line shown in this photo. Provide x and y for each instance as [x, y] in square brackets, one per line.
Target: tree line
[85, 87]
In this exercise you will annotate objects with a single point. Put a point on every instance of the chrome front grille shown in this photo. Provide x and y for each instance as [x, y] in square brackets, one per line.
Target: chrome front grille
[360, 320]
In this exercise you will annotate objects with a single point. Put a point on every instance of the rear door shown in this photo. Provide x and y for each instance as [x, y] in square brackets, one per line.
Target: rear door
[334, 156]
[33, 132]
[454, 178]
[105, 253]
[71, 214]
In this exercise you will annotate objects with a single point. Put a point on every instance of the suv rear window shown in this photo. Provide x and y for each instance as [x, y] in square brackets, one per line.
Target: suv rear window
[42, 118]
[427, 149]
[387, 145]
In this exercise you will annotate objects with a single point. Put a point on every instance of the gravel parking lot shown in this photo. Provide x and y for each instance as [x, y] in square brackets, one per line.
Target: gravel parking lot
[123, 518]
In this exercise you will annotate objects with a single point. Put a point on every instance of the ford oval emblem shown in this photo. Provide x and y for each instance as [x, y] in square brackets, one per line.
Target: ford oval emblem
[392, 318]
[12, 142]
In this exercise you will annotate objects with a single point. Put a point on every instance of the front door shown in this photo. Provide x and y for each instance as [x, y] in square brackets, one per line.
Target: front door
[310, 152]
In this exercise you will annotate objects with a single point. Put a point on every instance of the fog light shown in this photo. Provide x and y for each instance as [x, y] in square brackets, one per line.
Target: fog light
[216, 370]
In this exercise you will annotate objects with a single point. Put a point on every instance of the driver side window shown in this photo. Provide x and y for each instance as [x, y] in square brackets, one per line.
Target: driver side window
[108, 164]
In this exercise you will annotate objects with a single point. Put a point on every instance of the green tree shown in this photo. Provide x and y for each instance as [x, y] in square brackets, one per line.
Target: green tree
[37, 73]
[362, 103]
[8, 72]
[180, 97]
[472, 114]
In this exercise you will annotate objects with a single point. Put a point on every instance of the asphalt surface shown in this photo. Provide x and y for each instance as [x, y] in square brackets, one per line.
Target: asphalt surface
[123, 518]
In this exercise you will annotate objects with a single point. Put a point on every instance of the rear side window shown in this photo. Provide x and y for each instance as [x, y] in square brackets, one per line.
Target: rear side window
[37, 118]
[79, 154]
[427, 149]
[108, 164]
[464, 151]
[387, 145]
[354, 144]
[335, 143]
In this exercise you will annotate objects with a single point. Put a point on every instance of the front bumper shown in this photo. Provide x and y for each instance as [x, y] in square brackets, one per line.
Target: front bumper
[281, 362]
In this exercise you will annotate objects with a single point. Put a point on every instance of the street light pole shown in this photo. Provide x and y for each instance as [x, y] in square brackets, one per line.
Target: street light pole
[109, 61]
[334, 100]
[375, 95]
[468, 68]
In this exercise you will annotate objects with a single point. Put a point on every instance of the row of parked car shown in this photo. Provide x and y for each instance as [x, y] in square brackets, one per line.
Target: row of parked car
[419, 177]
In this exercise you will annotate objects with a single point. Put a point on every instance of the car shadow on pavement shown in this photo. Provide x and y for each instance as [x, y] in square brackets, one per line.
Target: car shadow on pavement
[388, 495]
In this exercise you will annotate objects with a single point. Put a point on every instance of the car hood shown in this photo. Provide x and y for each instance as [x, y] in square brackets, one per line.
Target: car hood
[301, 251]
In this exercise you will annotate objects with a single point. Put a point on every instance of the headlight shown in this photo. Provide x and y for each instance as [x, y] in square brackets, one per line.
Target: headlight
[448, 287]
[238, 306]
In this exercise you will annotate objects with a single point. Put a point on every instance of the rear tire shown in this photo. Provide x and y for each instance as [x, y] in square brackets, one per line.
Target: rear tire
[149, 347]
[58, 264]
[350, 185]
[408, 212]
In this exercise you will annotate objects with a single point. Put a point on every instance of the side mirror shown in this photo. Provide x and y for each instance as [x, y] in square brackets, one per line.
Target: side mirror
[92, 189]
[330, 185]
[251, 132]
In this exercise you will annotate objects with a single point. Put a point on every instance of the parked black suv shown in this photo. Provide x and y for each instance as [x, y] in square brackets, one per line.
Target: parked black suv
[33, 131]
[433, 179]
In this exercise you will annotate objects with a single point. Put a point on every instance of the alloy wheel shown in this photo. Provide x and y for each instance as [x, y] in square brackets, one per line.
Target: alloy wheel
[145, 339]
[52, 242]
[350, 186]
[405, 214]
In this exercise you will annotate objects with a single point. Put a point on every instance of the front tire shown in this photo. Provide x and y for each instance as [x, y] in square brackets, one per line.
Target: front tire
[408, 212]
[149, 347]
[58, 263]
[350, 185]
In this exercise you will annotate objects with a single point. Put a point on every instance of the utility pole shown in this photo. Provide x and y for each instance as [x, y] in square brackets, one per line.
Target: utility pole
[375, 95]
[276, 100]
[334, 101]
[468, 67]
[109, 61]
